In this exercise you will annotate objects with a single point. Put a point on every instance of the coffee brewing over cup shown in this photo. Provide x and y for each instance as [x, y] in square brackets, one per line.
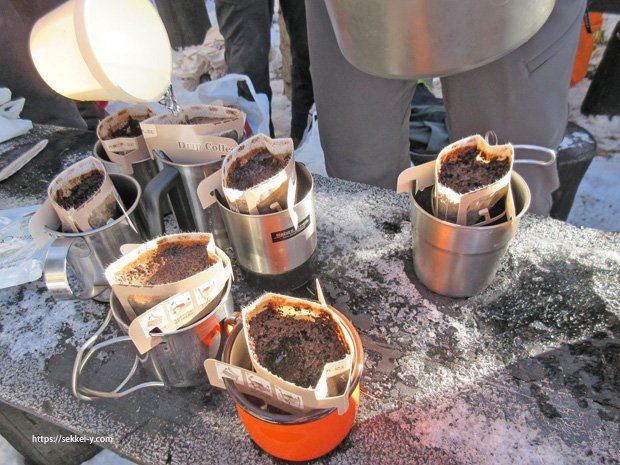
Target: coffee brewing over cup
[121, 136]
[166, 266]
[84, 197]
[258, 177]
[471, 177]
[197, 134]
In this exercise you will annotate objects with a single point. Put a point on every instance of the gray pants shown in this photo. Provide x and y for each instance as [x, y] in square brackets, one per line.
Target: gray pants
[364, 119]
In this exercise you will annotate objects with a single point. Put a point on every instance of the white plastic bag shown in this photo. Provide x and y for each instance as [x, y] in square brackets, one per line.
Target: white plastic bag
[20, 259]
[225, 91]
[222, 91]
[309, 152]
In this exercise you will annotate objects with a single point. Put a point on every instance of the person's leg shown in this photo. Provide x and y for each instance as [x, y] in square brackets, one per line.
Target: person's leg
[523, 97]
[186, 21]
[363, 119]
[294, 13]
[245, 25]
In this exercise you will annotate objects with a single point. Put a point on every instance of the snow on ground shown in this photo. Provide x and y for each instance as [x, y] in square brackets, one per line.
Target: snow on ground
[8, 455]
[597, 204]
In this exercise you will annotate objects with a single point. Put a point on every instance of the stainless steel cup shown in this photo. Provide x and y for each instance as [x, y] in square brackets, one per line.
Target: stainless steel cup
[176, 362]
[142, 171]
[87, 254]
[461, 261]
[187, 209]
[269, 249]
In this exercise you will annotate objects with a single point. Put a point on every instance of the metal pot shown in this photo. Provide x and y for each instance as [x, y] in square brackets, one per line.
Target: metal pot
[420, 38]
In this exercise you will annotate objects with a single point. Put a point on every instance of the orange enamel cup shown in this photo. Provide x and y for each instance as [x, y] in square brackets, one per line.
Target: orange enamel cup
[303, 436]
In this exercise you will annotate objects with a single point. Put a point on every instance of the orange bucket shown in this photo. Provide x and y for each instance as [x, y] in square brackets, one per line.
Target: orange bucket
[303, 436]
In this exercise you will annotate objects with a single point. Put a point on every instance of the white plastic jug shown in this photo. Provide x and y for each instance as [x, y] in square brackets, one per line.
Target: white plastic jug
[103, 50]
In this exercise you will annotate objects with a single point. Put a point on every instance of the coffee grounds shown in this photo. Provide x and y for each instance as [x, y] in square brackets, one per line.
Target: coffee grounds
[87, 186]
[169, 263]
[254, 168]
[131, 128]
[463, 173]
[295, 349]
[204, 119]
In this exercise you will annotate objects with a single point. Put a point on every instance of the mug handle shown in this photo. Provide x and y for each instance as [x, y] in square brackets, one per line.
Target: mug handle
[82, 358]
[55, 273]
[537, 148]
[167, 182]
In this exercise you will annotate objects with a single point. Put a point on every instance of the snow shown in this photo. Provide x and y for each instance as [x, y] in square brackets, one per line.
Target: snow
[8, 455]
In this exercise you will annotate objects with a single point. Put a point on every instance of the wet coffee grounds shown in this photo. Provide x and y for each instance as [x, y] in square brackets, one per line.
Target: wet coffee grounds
[169, 263]
[131, 128]
[295, 349]
[87, 185]
[254, 168]
[463, 173]
[204, 119]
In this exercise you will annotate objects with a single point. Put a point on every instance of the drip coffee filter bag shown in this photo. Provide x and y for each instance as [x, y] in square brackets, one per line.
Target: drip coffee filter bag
[197, 134]
[258, 177]
[471, 177]
[169, 265]
[121, 136]
[300, 351]
[84, 197]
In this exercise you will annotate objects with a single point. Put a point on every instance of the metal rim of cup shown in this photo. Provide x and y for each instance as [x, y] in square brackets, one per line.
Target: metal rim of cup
[98, 151]
[526, 204]
[306, 417]
[299, 166]
[186, 165]
[121, 218]
[118, 315]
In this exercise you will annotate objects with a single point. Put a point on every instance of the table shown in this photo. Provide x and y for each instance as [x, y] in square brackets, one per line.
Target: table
[526, 372]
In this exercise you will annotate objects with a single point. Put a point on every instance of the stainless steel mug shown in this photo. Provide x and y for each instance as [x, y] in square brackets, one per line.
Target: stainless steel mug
[142, 171]
[461, 261]
[188, 211]
[87, 254]
[269, 249]
[176, 362]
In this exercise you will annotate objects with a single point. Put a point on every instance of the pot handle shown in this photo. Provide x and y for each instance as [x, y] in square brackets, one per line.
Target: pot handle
[167, 182]
[86, 352]
[55, 272]
[537, 148]
[226, 327]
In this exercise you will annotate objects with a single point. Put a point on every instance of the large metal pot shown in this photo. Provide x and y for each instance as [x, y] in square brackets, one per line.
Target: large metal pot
[429, 38]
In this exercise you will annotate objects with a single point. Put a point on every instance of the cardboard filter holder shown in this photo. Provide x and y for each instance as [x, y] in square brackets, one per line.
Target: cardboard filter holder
[195, 143]
[272, 194]
[472, 208]
[331, 389]
[124, 151]
[103, 206]
[164, 308]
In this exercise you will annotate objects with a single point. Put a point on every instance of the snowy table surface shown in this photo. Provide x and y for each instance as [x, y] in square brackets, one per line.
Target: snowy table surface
[526, 372]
